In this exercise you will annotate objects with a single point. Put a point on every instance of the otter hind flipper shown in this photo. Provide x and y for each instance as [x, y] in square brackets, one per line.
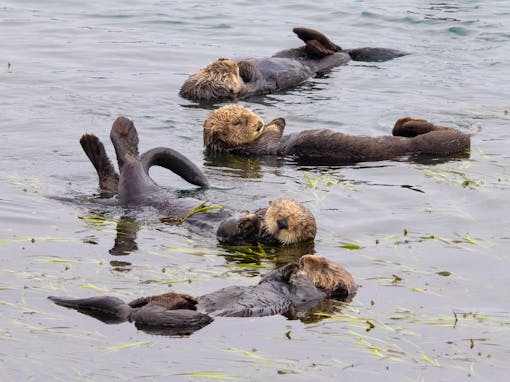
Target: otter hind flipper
[170, 301]
[175, 162]
[410, 127]
[104, 308]
[95, 151]
[315, 49]
[157, 319]
[125, 140]
[374, 54]
[307, 34]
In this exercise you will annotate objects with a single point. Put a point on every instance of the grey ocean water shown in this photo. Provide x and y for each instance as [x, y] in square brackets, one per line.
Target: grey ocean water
[433, 236]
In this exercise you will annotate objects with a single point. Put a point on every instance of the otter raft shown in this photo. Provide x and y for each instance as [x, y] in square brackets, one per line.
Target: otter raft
[313, 191]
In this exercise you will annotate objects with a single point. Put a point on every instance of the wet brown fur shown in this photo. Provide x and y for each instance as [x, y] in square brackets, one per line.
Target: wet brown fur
[231, 126]
[410, 135]
[220, 79]
[328, 276]
[289, 221]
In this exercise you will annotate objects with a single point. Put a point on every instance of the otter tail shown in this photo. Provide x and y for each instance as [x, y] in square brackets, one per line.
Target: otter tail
[176, 162]
[111, 310]
[428, 138]
[374, 54]
[409, 127]
[95, 151]
[442, 142]
[125, 140]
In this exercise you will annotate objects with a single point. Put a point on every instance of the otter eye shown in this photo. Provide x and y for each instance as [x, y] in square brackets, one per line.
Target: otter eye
[236, 122]
[302, 261]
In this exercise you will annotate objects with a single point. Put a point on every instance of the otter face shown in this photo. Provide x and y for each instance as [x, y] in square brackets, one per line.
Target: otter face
[231, 126]
[218, 80]
[289, 222]
[329, 276]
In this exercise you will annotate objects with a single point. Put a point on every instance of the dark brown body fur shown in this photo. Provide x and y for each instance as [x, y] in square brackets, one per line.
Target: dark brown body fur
[410, 136]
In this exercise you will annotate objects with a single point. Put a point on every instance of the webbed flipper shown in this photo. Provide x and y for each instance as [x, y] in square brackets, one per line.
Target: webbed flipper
[410, 127]
[170, 300]
[125, 140]
[159, 320]
[308, 35]
[95, 151]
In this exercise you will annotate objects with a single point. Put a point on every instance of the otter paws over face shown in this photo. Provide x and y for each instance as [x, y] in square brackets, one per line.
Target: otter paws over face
[328, 276]
[410, 136]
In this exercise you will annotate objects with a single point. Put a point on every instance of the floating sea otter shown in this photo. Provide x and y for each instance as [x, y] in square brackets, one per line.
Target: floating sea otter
[284, 221]
[229, 79]
[287, 290]
[236, 129]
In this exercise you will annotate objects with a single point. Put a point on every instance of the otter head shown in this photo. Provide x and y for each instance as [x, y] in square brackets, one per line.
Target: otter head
[218, 80]
[231, 126]
[288, 222]
[328, 276]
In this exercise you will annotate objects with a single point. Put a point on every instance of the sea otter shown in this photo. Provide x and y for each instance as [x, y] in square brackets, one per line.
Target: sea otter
[235, 79]
[292, 288]
[159, 156]
[236, 129]
[284, 221]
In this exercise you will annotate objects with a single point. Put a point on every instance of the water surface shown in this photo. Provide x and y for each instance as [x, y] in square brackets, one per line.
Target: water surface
[433, 236]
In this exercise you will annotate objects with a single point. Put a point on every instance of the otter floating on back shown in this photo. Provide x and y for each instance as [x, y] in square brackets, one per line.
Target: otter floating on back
[288, 290]
[236, 129]
[283, 222]
[235, 79]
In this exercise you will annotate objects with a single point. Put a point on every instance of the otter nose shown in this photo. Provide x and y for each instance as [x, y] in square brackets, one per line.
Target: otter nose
[283, 223]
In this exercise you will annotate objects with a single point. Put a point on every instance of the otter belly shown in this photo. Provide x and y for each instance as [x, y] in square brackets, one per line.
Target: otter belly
[252, 301]
[277, 73]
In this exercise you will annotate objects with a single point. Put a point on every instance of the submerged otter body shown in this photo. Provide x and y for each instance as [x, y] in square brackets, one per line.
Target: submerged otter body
[293, 287]
[235, 129]
[284, 221]
[230, 79]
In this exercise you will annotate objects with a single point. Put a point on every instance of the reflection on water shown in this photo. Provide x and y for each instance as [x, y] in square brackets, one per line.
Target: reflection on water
[240, 166]
[68, 68]
[125, 239]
